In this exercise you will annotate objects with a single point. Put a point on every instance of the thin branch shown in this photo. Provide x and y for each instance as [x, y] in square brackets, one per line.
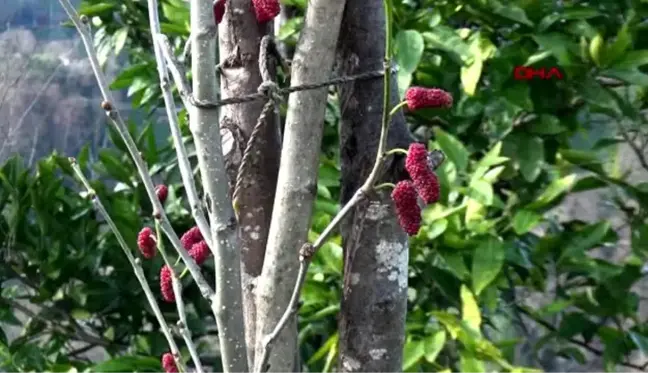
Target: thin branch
[641, 157]
[114, 115]
[577, 342]
[181, 151]
[135, 264]
[308, 251]
[174, 68]
[180, 306]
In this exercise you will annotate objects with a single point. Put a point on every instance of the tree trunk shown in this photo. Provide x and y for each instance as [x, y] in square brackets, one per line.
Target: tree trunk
[297, 182]
[240, 36]
[374, 300]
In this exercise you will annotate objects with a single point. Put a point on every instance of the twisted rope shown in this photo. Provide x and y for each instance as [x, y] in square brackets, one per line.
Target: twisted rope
[285, 91]
[273, 94]
[268, 90]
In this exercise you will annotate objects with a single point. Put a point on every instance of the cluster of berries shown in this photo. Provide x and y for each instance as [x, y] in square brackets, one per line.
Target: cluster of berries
[192, 240]
[424, 182]
[264, 10]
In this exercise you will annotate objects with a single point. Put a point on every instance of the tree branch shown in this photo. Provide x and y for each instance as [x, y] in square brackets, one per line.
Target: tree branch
[296, 186]
[575, 341]
[114, 115]
[135, 264]
[183, 159]
[227, 304]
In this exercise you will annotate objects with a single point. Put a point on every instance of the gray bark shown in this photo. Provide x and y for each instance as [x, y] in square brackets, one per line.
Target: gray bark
[227, 304]
[297, 182]
[374, 299]
[240, 36]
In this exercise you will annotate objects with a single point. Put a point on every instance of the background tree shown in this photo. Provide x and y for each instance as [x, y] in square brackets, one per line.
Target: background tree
[506, 256]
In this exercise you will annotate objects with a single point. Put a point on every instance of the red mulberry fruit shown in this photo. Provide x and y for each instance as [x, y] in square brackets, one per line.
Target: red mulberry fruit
[191, 237]
[146, 243]
[200, 252]
[162, 192]
[219, 10]
[166, 284]
[266, 10]
[420, 98]
[425, 181]
[407, 208]
[168, 363]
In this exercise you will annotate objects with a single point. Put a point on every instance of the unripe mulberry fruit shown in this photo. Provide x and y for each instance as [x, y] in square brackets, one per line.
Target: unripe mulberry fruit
[407, 208]
[425, 181]
[199, 252]
[146, 243]
[162, 192]
[166, 284]
[266, 10]
[420, 98]
[219, 10]
[191, 237]
[168, 363]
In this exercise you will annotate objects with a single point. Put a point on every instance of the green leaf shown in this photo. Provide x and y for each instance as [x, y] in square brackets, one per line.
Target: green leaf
[413, 352]
[120, 37]
[525, 220]
[409, 45]
[95, 9]
[580, 157]
[510, 11]
[530, 156]
[597, 49]
[632, 60]
[114, 166]
[452, 148]
[469, 363]
[566, 14]
[597, 95]
[639, 237]
[323, 351]
[434, 345]
[482, 192]
[622, 42]
[470, 310]
[470, 76]
[447, 39]
[557, 44]
[547, 125]
[129, 364]
[632, 76]
[555, 189]
[487, 263]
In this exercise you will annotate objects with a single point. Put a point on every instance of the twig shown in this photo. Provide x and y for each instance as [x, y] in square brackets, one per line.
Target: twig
[575, 341]
[174, 68]
[227, 305]
[135, 264]
[114, 115]
[180, 306]
[308, 251]
[641, 157]
[181, 151]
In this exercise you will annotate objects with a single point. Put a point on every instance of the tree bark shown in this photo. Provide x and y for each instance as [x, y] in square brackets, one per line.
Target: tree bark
[297, 182]
[240, 37]
[374, 299]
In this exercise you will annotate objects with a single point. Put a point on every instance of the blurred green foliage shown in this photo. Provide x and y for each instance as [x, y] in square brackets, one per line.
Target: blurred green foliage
[515, 149]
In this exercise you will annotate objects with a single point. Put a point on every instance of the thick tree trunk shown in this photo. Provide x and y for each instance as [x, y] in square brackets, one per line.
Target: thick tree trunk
[297, 182]
[374, 300]
[240, 36]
